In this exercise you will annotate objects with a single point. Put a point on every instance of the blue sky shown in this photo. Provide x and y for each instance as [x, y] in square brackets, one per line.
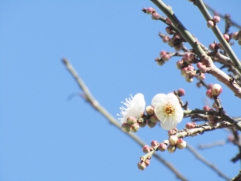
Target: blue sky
[112, 45]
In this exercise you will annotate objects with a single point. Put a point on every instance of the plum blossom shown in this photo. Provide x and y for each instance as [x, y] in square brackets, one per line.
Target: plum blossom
[134, 106]
[168, 110]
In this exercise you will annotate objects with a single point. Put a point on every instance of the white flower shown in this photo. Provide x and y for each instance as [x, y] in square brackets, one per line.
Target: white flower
[167, 110]
[134, 106]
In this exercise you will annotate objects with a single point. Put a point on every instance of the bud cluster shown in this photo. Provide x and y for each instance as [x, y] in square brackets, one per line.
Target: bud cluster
[212, 22]
[214, 91]
[151, 11]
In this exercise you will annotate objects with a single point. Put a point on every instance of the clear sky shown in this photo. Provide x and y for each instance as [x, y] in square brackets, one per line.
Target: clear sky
[112, 45]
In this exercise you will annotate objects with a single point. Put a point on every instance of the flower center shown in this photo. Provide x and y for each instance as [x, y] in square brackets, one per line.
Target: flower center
[169, 110]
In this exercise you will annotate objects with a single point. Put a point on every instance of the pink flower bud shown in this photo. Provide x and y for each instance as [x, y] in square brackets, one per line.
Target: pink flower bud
[172, 132]
[166, 57]
[226, 37]
[154, 143]
[135, 127]
[201, 76]
[141, 165]
[125, 127]
[165, 39]
[171, 148]
[150, 110]
[169, 30]
[206, 108]
[216, 19]
[184, 71]
[141, 122]
[163, 52]
[168, 21]
[209, 93]
[216, 90]
[131, 120]
[181, 143]
[179, 64]
[150, 10]
[155, 16]
[147, 162]
[191, 125]
[212, 46]
[162, 147]
[210, 86]
[189, 79]
[210, 24]
[235, 35]
[146, 149]
[173, 140]
[181, 92]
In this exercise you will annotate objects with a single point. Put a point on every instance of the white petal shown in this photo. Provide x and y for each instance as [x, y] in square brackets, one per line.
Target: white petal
[178, 114]
[139, 101]
[159, 98]
[172, 98]
[134, 106]
[168, 124]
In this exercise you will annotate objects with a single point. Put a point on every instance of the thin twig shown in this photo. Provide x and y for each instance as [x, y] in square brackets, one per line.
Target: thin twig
[90, 99]
[202, 159]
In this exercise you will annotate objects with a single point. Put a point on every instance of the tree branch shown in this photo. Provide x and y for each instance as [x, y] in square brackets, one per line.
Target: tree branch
[90, 99]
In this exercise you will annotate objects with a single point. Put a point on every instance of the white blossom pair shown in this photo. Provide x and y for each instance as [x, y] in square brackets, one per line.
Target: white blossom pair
[166, 107]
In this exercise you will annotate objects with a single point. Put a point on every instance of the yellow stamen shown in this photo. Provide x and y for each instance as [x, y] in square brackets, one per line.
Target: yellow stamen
[168, 109]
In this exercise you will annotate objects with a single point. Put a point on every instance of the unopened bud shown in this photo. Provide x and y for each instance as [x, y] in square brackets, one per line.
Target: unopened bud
[181, 143]
[216, 90]
[135, 127]
[191, 125]
[146, 149]
[165, 39]
[226, 37]
[151, 124]
[155, 16]
[201, 76]
[173, 140]
[179, 64]
[150, 110]
[141, 165]
[171, 148]
[210, 23]
[212, 46]
[216, 19]
[150, 10]
[181, 92]
[189, 79]
[209, 93]
[154, 143]
[147, 162]
[141, 122]
[125, 127]
[154, 119]
[235, 35]
[162, 147]
[206, 108]
[168, 30]
[131, 120]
